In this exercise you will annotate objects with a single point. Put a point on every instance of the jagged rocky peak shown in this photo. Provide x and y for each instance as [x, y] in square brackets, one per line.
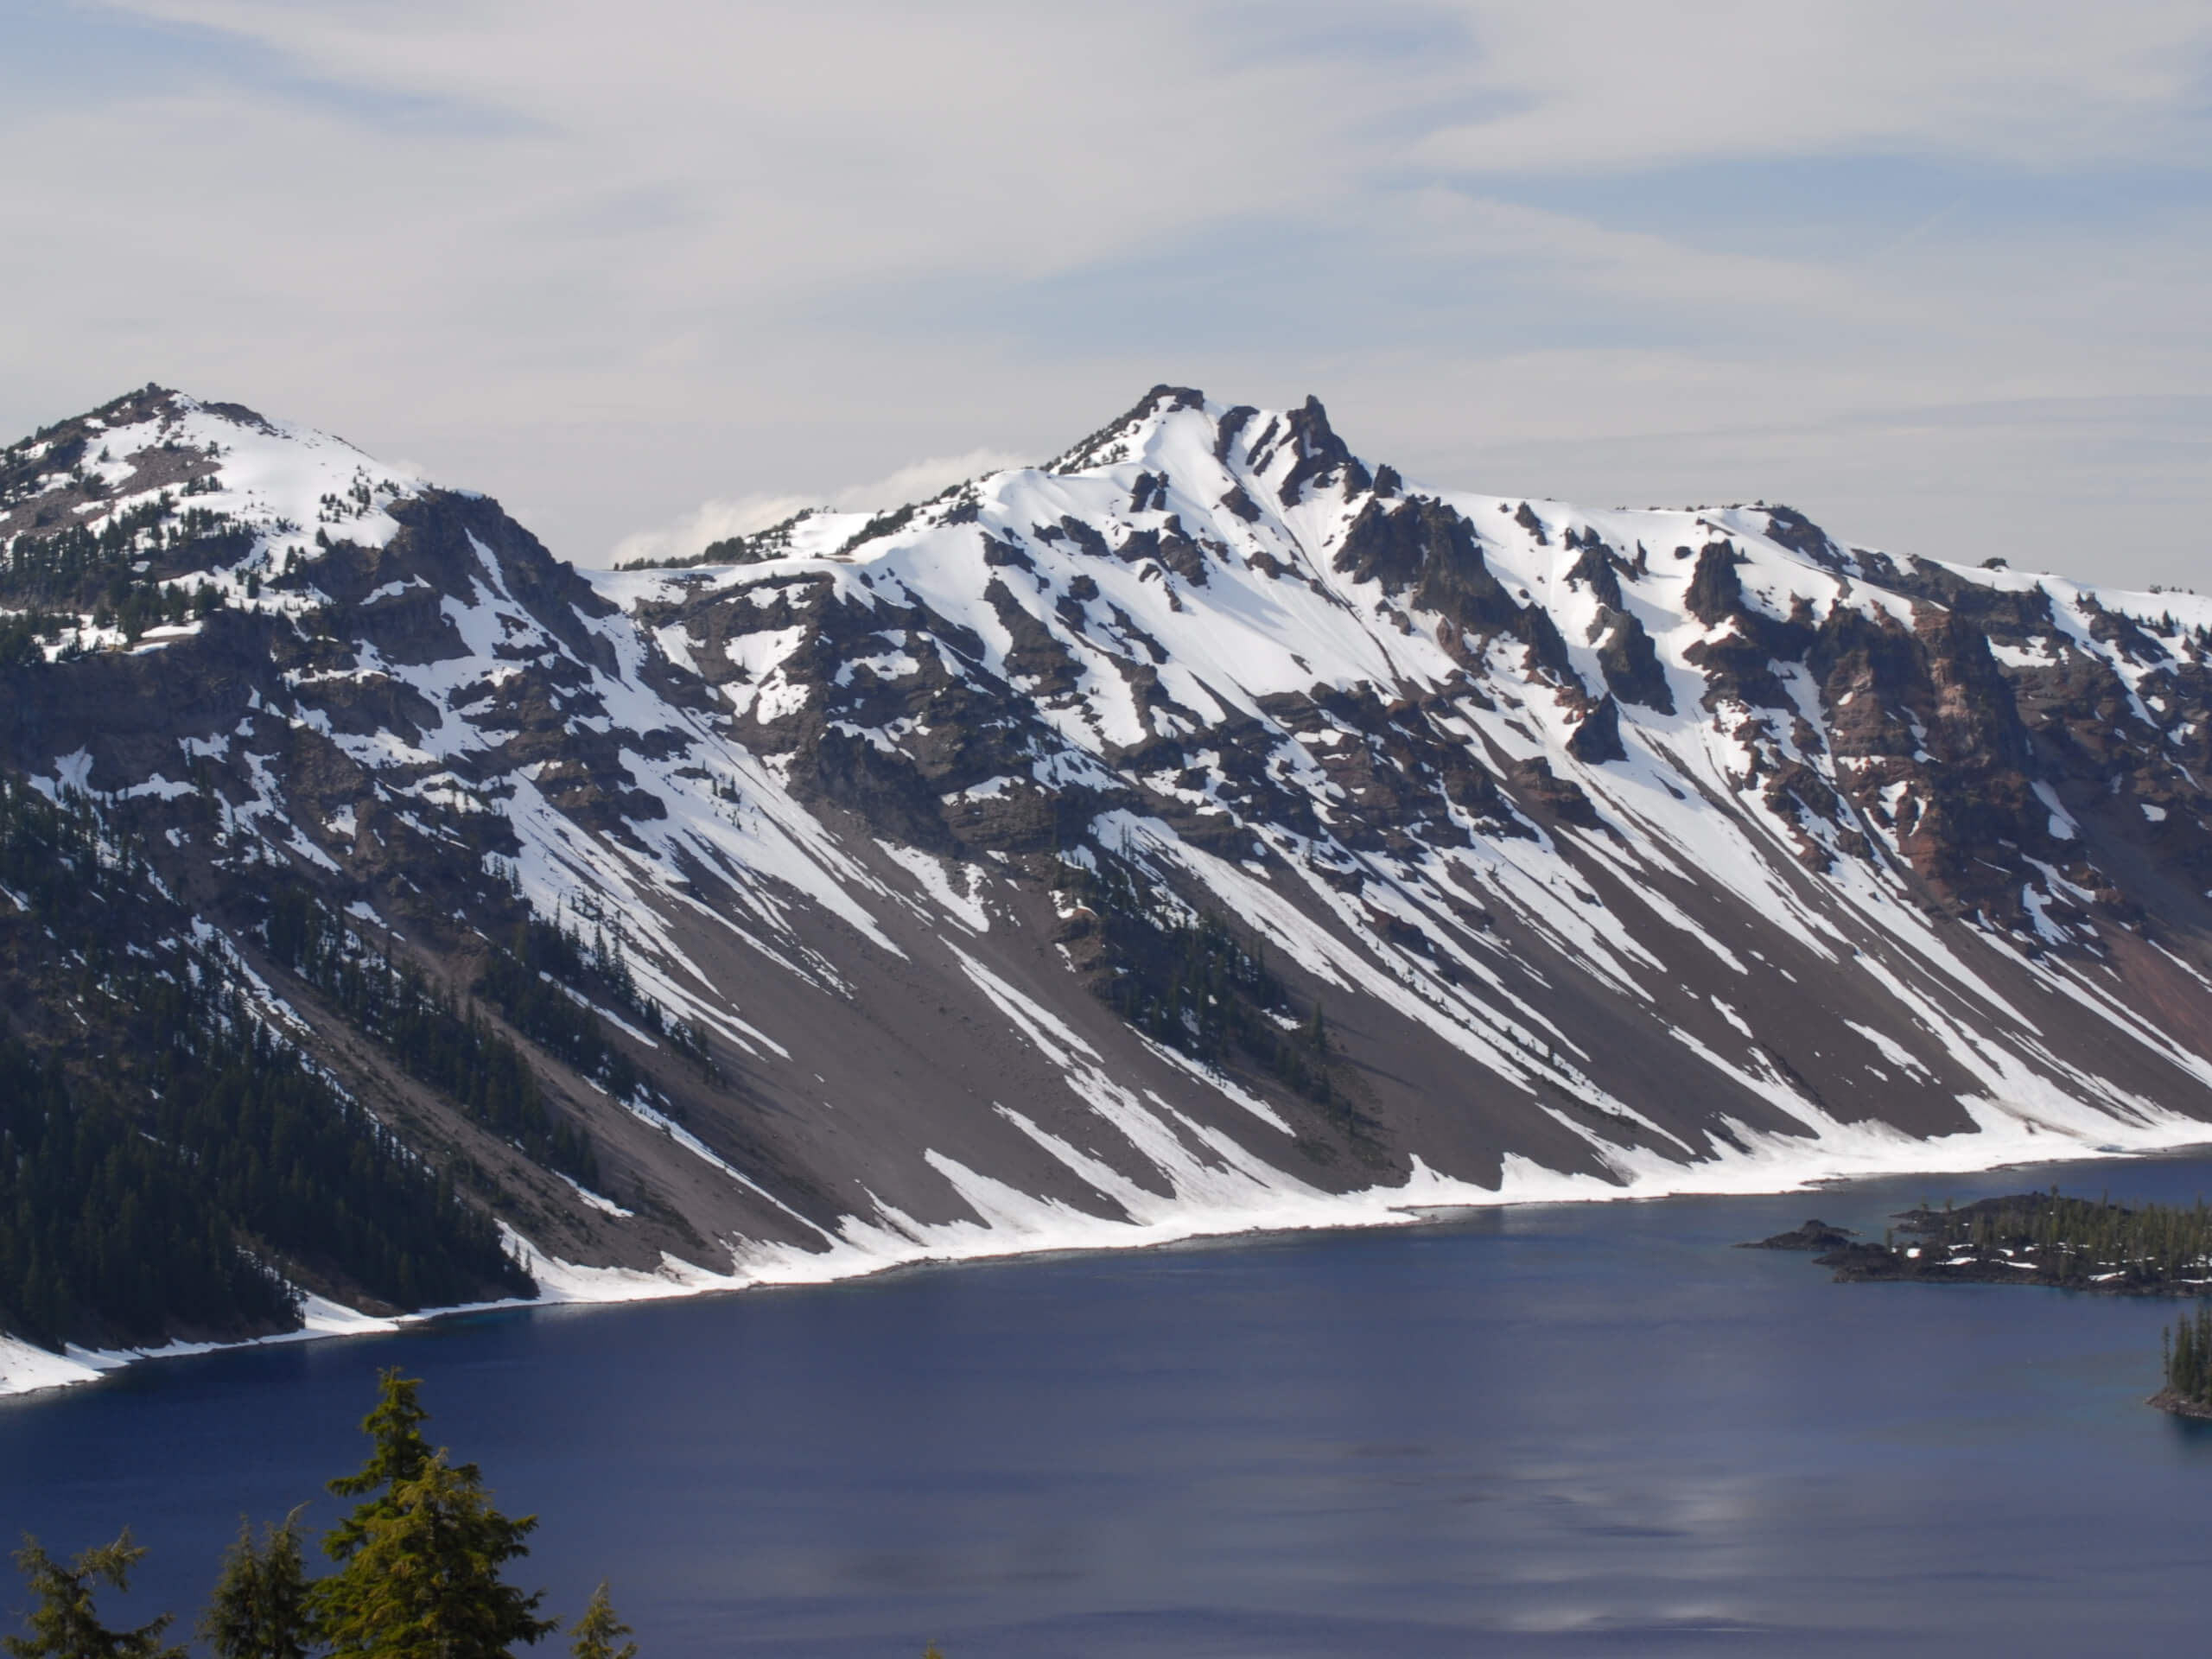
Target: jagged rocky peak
[1189, 564]
[1167, 433]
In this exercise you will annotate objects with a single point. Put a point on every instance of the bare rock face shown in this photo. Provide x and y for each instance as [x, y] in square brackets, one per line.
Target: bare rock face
[1208, 829]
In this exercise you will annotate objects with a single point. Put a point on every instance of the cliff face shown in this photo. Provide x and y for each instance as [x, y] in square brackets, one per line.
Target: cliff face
[1203, 825]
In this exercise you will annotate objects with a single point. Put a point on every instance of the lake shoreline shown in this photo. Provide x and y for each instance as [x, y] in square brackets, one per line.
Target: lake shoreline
[872, 1251]
[2173, 1405]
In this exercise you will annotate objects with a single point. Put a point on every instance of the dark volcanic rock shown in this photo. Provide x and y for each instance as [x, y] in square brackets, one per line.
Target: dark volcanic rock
[1814, 1235]
[1598, 739]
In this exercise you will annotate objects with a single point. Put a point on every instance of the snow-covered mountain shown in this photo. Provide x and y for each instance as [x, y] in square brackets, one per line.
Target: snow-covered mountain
[1208, 830]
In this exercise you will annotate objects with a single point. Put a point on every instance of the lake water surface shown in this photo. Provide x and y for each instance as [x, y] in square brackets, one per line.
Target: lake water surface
[1557, 1429]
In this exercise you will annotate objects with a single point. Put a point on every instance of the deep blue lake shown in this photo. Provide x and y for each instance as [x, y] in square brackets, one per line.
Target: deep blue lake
[1563, 1429]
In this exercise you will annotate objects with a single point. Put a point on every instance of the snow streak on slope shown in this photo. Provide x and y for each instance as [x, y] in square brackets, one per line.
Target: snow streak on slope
[1223, 613]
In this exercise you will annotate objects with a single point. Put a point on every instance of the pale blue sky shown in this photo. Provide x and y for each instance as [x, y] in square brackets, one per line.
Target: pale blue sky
[1935, 273]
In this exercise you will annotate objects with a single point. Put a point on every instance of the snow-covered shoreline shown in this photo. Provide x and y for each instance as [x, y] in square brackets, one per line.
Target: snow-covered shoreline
[1016, 1224]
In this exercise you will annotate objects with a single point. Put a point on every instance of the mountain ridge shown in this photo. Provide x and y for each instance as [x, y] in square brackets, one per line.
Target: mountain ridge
[1209, 828]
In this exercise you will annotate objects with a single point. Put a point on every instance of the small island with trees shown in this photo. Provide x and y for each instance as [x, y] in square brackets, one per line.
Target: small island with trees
[2047, 1239]
[2030, 1238]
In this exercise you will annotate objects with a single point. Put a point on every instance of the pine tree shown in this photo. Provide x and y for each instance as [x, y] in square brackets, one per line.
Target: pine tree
[423, 1581]
[397, 1453]
[421, 1554]
[63, 1626]
[259, 1608]
[2188, 1358]
[599, 1630]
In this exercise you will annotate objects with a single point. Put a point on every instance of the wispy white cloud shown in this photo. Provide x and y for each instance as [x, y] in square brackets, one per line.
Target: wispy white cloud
[715, 520]
[1596, 84]
[1641, 265]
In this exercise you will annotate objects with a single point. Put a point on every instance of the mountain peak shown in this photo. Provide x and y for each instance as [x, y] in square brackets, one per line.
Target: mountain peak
[1113, 441]
[143, 465]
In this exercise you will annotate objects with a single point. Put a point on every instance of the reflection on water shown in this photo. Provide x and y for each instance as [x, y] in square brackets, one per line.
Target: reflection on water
[1557, 1429]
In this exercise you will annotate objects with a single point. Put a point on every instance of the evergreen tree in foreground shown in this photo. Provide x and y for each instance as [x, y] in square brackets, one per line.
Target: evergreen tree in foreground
[259, 1608]
[423, 1581]
[397, 1453]
[63, 1624]
[419, 1576]
[599, 1630]
[420, 1556]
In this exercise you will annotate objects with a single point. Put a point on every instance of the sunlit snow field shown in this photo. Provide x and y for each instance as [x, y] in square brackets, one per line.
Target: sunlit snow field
[1541, 1429]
